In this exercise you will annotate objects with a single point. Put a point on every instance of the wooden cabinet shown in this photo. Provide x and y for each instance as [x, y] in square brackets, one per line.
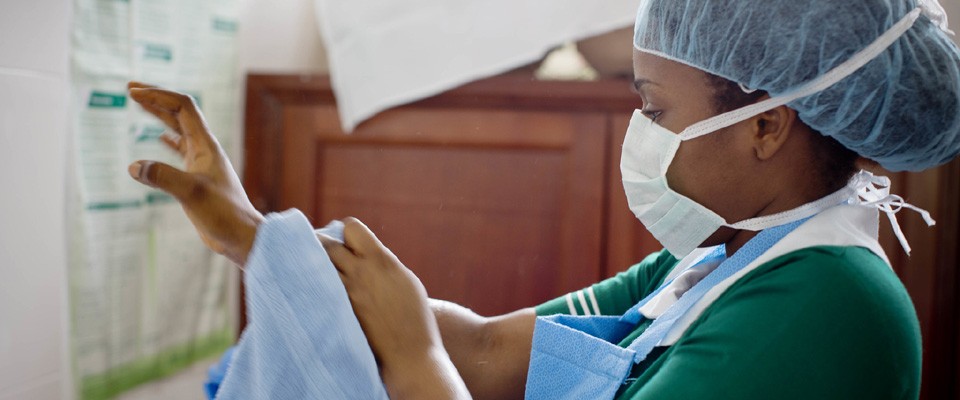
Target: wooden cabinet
[507, 215]
[506, 192]
[496, 202]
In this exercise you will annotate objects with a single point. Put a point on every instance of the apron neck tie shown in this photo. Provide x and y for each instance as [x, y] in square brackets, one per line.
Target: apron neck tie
[874, 191]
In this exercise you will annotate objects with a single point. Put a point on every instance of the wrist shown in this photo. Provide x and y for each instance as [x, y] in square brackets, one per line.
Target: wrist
[247, 237]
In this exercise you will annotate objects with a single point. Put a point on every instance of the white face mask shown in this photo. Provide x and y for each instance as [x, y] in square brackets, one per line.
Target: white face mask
[678, 222]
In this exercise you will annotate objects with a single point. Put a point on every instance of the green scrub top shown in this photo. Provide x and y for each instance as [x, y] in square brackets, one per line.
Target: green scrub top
[818, 323]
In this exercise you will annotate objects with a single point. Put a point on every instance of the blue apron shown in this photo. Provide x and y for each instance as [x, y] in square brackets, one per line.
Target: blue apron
[576, 357]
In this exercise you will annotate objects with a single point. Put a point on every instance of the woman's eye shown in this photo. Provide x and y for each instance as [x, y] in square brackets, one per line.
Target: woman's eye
[652, 114]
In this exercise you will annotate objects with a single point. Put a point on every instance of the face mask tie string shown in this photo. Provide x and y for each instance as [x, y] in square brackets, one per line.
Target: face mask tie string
[874, 191]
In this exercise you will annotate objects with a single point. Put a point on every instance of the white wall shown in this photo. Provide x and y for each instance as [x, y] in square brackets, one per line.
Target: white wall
[33, 132]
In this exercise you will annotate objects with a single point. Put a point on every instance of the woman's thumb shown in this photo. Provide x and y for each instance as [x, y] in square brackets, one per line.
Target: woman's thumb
[177, 183]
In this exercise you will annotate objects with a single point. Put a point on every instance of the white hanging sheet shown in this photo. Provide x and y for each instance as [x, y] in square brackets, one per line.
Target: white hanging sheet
[383, 54]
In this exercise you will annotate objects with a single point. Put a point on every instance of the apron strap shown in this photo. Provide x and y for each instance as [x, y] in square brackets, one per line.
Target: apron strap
[652, 336]
[633, 315]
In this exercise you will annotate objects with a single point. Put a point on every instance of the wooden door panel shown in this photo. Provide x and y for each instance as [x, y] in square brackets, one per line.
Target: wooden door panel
[495, 210]
[451, 214]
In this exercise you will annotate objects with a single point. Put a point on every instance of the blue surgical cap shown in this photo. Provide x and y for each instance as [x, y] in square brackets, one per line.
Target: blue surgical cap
[901, 109]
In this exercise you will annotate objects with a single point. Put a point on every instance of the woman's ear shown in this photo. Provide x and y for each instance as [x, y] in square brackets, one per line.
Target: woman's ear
[771, 130]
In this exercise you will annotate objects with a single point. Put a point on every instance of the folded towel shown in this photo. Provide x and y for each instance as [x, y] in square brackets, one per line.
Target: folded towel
[302, 340]
[216, 372]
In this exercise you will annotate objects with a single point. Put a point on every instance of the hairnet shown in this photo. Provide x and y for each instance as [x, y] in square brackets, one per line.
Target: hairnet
[901, 109]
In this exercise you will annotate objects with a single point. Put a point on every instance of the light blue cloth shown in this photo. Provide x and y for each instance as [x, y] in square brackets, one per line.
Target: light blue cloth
[633, 315]
[216, 372]
[902, 109]
[575, 357]
[302, 340]
[753, 249]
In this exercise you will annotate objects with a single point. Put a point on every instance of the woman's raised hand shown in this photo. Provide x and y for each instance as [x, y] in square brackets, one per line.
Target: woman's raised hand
[208, 189]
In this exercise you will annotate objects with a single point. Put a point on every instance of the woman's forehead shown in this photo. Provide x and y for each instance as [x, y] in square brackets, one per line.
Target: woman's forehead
[653, 70]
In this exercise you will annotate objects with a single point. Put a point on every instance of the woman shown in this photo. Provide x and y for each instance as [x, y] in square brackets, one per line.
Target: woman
[741, 161]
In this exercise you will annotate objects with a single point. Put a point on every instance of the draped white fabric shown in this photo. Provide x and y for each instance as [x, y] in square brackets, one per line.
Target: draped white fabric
[384, 54]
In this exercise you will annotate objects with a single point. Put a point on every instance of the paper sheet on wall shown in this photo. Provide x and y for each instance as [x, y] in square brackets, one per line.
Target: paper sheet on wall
[146, 297]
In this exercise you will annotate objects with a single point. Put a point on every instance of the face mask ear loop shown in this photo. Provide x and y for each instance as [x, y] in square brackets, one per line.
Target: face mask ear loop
[669, 155]
[817, 85]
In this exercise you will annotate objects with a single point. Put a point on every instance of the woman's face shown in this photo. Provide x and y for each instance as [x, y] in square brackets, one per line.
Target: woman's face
[714, 169]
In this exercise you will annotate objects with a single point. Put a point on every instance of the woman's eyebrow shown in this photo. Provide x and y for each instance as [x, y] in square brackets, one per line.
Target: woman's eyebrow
[641, 82]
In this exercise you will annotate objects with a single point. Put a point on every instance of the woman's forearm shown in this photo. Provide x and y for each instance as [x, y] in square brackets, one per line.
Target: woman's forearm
[491, 354]
[425, 375]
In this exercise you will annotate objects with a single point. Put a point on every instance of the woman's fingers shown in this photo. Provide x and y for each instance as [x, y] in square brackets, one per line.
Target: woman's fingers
[359, 238]
[181, 107]
[161, 99]
[139, 85]
[165, 115]
[341, 256]
[169, 119]
[177, 183]
[174, 142]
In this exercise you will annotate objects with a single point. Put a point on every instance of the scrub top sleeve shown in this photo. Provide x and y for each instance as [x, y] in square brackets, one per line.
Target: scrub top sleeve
[829, 323]
[614, 295]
